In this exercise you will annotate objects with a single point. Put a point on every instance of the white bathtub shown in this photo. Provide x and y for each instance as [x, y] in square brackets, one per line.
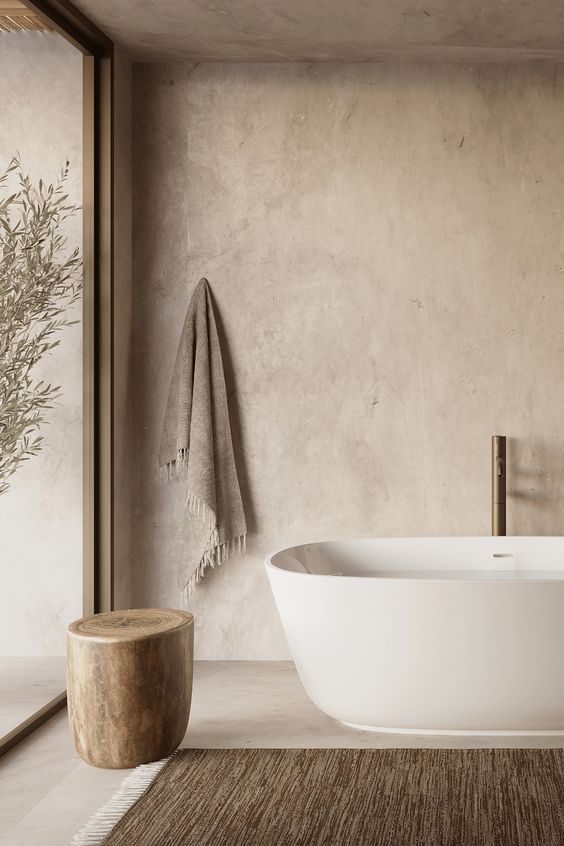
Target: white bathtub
[428, 635]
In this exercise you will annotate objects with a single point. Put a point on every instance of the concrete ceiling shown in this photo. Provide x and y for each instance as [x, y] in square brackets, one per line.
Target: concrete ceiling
[332, 30]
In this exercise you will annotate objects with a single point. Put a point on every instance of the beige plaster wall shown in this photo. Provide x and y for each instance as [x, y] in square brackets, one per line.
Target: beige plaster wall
[385, 247]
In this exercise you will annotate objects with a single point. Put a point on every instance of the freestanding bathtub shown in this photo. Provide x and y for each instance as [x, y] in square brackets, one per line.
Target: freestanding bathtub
[428, 635]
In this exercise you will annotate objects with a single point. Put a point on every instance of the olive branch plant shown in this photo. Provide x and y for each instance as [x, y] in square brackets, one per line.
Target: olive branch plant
[39, 280]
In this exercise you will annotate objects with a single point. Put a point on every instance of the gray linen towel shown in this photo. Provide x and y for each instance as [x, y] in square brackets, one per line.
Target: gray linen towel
[197, 436]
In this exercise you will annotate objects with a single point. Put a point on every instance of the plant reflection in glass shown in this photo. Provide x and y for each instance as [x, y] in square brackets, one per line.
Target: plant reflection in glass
[39, 280]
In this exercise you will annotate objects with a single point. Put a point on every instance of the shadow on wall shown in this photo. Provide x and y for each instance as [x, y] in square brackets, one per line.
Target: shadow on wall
[235, 420]
[537, 503]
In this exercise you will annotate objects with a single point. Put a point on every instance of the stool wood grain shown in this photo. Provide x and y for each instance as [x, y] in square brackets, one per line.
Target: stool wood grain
[129, 680]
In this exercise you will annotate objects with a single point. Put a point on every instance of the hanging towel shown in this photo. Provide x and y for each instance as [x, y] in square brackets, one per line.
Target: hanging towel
[196, 442]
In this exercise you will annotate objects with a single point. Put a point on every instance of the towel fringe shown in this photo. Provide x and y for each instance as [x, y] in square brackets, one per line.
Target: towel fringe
[172, 469]
[202, 510]
[215, 554]
[132, 788]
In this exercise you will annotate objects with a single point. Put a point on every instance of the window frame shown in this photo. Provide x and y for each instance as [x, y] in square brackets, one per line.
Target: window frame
[98, 328]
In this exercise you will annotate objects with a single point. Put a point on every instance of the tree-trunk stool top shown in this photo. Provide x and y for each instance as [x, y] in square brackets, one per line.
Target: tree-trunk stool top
[133, 624]
[129, 684]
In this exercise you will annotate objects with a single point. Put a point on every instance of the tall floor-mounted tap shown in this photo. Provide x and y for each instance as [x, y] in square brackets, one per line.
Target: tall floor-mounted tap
[499, 488]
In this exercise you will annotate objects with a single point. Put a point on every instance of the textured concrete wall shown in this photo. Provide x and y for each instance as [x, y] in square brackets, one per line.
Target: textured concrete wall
[41, 515]
[385, 246]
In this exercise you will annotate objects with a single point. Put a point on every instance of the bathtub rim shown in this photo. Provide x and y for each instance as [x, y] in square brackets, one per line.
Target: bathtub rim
[497, 540]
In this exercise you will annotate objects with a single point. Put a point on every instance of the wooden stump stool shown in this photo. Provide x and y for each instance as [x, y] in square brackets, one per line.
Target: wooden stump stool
[129, 681]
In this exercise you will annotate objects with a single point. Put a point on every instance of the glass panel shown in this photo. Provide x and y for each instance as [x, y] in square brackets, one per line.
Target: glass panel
[41, 426]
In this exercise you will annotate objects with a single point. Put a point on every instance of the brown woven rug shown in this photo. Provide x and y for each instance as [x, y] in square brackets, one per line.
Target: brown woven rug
[352, 797]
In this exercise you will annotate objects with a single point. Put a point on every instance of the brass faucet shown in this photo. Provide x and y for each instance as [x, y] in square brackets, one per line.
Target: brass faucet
[498, 485]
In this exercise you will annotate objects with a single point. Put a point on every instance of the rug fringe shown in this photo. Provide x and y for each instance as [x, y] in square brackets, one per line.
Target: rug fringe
[132, 788]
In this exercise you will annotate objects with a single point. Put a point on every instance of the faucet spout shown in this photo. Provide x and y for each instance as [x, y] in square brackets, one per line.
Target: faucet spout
[499, 486]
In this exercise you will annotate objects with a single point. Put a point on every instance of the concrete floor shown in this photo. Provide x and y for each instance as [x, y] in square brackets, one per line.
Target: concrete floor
[26, 685]
[47, 793]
